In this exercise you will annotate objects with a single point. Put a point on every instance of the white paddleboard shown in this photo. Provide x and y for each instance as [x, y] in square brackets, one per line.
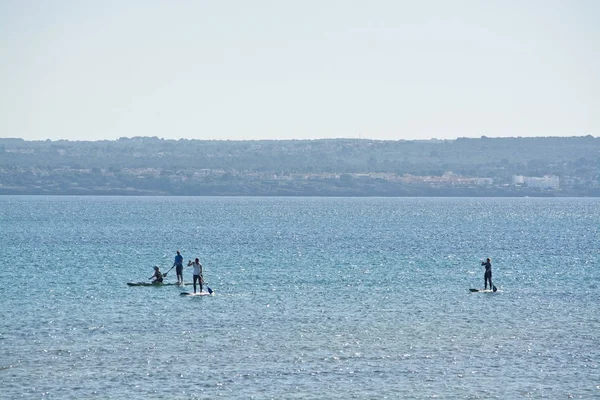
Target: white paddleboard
[196, 294]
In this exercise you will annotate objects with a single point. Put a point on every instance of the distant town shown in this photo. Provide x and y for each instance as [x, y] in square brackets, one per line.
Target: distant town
[565, 167]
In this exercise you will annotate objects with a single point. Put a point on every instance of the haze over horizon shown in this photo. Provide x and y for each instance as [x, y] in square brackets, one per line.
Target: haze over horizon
[384, 69]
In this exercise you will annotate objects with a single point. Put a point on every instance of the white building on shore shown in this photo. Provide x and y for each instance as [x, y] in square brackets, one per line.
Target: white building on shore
[544, 182]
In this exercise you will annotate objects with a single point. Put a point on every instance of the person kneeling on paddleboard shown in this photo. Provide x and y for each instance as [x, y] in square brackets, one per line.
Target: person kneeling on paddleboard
[158, 276]
[197, 274]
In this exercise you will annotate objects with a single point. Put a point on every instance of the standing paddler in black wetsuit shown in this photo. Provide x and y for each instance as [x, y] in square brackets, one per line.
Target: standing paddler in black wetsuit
[487, 276]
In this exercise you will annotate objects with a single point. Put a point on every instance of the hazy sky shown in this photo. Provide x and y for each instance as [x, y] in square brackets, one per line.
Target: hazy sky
[299, 69]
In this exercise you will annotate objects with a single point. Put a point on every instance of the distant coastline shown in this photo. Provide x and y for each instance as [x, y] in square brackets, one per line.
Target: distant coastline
[149, 166]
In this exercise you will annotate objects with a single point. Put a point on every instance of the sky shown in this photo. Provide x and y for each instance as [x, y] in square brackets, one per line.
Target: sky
[299, 69]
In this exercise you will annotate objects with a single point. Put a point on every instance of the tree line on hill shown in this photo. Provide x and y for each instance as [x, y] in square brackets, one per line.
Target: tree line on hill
[327, 167]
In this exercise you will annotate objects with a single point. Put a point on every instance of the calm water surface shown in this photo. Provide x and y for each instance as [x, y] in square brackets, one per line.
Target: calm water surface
[315, 298]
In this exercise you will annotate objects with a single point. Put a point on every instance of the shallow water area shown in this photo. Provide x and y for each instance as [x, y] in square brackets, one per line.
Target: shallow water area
[313, 298]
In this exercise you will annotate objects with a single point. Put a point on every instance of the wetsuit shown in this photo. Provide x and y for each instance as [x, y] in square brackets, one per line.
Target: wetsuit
[487, 276]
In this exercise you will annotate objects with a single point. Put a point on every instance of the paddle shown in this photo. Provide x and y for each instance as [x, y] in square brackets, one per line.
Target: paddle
[165, 274]
[210, 291]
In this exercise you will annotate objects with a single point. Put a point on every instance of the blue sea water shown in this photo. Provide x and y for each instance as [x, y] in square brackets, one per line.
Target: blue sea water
[314, 298]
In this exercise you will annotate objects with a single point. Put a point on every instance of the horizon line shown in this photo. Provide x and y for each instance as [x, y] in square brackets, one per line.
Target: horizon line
[433, 139]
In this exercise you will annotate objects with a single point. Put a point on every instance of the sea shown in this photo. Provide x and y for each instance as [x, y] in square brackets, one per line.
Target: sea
[313, 298]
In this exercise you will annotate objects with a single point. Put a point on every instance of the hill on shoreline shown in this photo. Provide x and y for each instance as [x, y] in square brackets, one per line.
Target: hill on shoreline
[324, 167]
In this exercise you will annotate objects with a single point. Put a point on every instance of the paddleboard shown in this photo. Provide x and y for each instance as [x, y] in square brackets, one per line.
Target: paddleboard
[153, 284]
[484, 290]
[195, 294]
